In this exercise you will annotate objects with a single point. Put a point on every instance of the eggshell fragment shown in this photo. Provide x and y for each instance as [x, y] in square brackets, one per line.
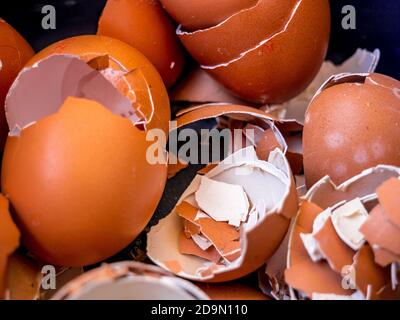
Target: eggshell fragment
[347, 221]
[325, 193]
[384, 257]
[198, 14]
[187, 246]
[370, 278]
[269, 132]
[310, 278]
[274, 70]
[23, 279]
[123, 66]
[9, 241]
[145, 26]
[129, 281]
[302, 273]
[259, 128]
[346, 128]
[14, 53]
[381, 232]
[381, 229]
[274, 199]
[79, 196]
[348, 267]
[234, 209]
[337, 253]
[387, 194]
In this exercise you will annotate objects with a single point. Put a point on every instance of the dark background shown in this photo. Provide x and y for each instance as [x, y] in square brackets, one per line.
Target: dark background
[378, 26]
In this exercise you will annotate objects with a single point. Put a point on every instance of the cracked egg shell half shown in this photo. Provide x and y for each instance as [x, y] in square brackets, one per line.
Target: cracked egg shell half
[328, 255]
[229, 220]
[145, 26]
[14, 53]
[75, 167]
[351, 124]
[129, 281]
[126, 68]
[266, 53]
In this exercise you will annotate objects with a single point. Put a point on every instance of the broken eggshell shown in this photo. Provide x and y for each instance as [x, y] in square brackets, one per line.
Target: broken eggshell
[9, 241]
[23, 278]
[129, 281]
[346, 128]
[269, 186]
[382, 228]
[198, 14]
[323, 249]
[76, 170]
[123, 66]
[145, 26]
[264, 65]
[269, 132]
[14, 53]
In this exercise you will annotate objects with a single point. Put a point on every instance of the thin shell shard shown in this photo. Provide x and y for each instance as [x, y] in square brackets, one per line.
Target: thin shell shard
[344, 270]
[270, 189]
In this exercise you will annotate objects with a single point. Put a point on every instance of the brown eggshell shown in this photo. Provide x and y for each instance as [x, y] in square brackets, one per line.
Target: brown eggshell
[23, 278]
[378, 230]
[381, 229]
[276, 70]
[14, 53]
[214, 110]
[371, 280]
[128, 280]
[310, 277]
[336, 252]
[234, 112]
[163, 238]
[302, 273]
[384, 257]
[80, 196]
[387, 194]
[369, 274]
[231, 291]
[346, 128]
[145, 26]
[140, 75]
[199, 87]
[308, 211]
[9, 241]
[325, 193]
[238, 33]
[198, 14]
[272, 138]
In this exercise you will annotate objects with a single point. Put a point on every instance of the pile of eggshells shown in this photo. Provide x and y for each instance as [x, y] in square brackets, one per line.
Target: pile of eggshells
[308, 205]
